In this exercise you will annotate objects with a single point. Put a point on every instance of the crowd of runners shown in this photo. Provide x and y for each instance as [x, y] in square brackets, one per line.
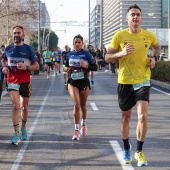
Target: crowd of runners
[128, 46]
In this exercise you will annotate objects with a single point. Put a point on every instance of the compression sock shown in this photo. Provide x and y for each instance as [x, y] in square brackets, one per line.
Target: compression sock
[126, 144]
[139, 146]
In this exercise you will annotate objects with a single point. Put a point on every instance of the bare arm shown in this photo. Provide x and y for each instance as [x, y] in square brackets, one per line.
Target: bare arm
[156, 49]
[156, 53]
[113, 55]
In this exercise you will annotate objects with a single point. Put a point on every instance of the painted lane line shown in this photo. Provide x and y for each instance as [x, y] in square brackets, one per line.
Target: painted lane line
[160, 91]
[119, 154]
[94, 107]
[25, 144]
[4, 93]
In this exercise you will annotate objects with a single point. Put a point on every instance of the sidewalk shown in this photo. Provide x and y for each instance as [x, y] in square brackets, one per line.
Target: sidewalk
[160, 84]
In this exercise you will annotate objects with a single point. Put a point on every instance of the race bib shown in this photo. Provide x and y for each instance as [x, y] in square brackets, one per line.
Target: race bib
[138, 86]
[77, 75]
[48, 60]
[13, 86]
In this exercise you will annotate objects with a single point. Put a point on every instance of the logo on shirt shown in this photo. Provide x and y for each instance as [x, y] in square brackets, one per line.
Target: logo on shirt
[22, 53]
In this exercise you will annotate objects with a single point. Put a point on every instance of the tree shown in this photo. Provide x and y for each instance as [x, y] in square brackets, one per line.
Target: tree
[16, 12]
[48, 38]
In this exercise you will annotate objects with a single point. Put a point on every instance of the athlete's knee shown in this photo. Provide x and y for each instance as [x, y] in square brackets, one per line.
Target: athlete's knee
[83, 108]
[77, 106]
[143, 118]
[126, 118]
[16, 106]
[24, 108]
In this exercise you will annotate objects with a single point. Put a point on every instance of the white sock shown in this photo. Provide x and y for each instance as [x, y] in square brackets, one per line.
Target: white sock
[76, 127]
[83, 122]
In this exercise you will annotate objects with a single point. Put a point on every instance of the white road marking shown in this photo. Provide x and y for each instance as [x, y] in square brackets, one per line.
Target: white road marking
[4, 93]
[160, 91]
[25, 144]
[119, 154]
[94, 107]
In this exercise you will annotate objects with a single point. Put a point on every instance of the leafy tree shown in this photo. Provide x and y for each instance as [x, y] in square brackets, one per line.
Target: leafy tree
[48, 38]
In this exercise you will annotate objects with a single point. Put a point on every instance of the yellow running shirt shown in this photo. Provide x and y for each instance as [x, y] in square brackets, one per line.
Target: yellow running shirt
[133, 67]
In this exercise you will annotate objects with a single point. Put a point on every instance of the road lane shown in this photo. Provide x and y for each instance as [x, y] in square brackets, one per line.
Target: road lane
[51, 147]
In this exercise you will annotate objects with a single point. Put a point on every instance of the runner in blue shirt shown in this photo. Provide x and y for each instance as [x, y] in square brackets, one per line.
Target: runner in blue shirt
[79, 63]
[57, 55]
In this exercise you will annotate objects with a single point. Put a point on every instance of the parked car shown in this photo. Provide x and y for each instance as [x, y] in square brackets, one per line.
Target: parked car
[163, 56]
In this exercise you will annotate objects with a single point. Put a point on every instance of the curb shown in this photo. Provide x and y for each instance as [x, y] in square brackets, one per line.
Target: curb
[160, 84]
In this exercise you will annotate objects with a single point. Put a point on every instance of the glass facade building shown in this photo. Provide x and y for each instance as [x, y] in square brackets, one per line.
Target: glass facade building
[114, 15]
[95, 26]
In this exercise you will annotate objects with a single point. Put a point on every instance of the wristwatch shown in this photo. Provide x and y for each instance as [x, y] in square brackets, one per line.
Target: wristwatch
[155, 57]
[27, 67]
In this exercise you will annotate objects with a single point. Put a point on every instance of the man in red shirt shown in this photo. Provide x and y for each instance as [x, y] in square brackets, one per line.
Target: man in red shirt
[18, 60]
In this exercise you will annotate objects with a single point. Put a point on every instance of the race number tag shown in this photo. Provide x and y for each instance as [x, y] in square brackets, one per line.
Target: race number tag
[77, 75]
[13, 86]
[138, 86]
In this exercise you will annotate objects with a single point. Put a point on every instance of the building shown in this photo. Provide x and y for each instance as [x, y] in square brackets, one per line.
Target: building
[114, 16]
[94, 37]
[155, 16]
[44, 16]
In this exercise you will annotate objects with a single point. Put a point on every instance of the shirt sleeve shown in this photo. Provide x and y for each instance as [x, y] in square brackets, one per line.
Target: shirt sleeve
[154, 39]
[91, 60]
[33, 56]
[114, 42]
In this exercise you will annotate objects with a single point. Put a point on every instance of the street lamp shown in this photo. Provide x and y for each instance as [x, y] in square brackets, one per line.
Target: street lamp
[89, 21]
[39, 7]
[101, 24]
[45, 43]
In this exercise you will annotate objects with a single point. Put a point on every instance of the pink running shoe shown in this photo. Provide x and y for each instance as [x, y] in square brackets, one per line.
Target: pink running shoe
[83, 130]
[76, 135]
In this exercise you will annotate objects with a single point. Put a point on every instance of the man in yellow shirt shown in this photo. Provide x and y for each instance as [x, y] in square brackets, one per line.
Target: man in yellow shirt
[130, 47]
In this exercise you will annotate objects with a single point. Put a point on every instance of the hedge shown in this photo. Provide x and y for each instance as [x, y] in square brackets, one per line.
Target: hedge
[162, 71]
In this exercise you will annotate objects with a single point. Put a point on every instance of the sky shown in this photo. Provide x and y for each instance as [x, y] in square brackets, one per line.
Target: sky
[73, 12]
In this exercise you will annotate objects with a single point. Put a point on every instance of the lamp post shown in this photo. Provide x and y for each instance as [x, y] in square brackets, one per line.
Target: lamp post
[89, 21]
[39, 7]
[101, 24]
[45, 43]
[168, 30]
[7, 41]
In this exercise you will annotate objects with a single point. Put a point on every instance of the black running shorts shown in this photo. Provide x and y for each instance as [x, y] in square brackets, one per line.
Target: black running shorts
[48, 63]
[127, 97]
[80, 84]
[24, 90]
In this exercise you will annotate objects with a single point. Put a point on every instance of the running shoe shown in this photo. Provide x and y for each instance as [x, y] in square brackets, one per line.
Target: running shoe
[76, 135]
[23, 133]
[140, 157]
[126, 156]
[16, 139]
[92, 82]
[83, 130]
[48, 76]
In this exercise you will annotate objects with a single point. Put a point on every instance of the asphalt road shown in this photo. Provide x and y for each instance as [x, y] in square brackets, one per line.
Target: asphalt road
[50, 128]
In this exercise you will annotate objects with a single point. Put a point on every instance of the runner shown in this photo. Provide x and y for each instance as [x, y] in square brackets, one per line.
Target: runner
[1, 84]
[79, 63]
[57, 56]
[64, 53]
[47, 58]
[18, 60]
[130, 47]
[91, 50]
